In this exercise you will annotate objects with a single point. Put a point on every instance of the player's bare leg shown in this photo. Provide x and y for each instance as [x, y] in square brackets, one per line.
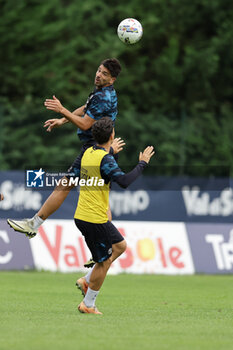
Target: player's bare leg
[99, 273]
[54, 201]
[118, 249]
[97, 278]
[30, 226]
[83, 282]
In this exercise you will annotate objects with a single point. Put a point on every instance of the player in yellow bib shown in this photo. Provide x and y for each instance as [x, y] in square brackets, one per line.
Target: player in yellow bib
[98, 169]
[94, 197]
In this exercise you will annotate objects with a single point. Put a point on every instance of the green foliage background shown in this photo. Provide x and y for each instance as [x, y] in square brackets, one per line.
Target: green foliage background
[175, 90]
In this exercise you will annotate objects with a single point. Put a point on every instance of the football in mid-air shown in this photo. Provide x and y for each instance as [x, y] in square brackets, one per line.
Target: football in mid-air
[130, 31]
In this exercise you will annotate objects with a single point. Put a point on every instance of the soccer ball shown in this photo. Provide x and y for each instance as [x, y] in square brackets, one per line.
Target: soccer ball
[130, 31]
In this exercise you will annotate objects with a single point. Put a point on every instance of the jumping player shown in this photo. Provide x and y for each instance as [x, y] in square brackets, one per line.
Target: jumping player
[100, 103]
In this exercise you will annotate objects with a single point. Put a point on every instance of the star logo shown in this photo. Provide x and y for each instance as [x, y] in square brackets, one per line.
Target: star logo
[39, 174]
[35, 178]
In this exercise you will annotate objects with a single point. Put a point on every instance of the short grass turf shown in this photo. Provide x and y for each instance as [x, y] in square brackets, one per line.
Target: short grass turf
[38, 310]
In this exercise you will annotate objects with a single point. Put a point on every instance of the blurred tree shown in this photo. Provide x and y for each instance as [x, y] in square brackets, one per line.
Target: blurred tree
[175, 90]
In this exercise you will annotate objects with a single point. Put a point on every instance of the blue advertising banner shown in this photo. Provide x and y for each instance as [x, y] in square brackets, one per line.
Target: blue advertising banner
[23, 202]
[15, 249]
[148, 199]
[211, 247]
[174, 199]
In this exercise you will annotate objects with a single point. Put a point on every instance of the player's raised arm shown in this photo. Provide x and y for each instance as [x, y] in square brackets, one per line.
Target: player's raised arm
[146, 154]
[57, 122]
[79, 111]
[144, 157]
[84, 123]
[54, 123]
[117, 145]
[110, 170]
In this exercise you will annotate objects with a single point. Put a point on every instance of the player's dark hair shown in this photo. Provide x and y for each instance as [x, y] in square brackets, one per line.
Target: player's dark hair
[102, 129]
[113, 65]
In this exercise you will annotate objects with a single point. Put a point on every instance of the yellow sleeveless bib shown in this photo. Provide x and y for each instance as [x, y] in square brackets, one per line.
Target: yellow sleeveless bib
[94, 194]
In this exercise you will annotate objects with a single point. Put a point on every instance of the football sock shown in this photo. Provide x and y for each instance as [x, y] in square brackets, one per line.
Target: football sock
[88, 275]
[36, 221]
[90, 297]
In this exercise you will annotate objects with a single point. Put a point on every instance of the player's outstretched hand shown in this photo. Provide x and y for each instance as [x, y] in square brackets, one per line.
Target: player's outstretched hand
[54, 104]
[147, 154]
[117, 145]
[52, 123]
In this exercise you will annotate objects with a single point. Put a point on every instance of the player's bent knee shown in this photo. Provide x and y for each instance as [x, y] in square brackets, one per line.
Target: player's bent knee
[120, 247]
[123, 246]
[108, 262]
[105, 264]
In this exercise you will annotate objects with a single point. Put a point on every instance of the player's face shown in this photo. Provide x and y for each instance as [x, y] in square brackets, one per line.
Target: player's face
[103, 77]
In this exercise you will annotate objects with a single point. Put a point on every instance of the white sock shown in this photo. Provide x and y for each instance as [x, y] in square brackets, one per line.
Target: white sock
[90, 297]
[88, 275]
[36, 221]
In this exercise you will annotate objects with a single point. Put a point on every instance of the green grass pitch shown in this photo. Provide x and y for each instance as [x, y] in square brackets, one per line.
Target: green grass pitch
[38, 311]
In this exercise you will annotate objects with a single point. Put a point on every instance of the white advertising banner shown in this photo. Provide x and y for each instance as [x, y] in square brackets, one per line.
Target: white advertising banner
[152, 247]
[59, 246]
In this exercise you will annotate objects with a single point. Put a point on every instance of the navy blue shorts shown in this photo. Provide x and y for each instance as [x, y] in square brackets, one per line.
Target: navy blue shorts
[99, 238]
